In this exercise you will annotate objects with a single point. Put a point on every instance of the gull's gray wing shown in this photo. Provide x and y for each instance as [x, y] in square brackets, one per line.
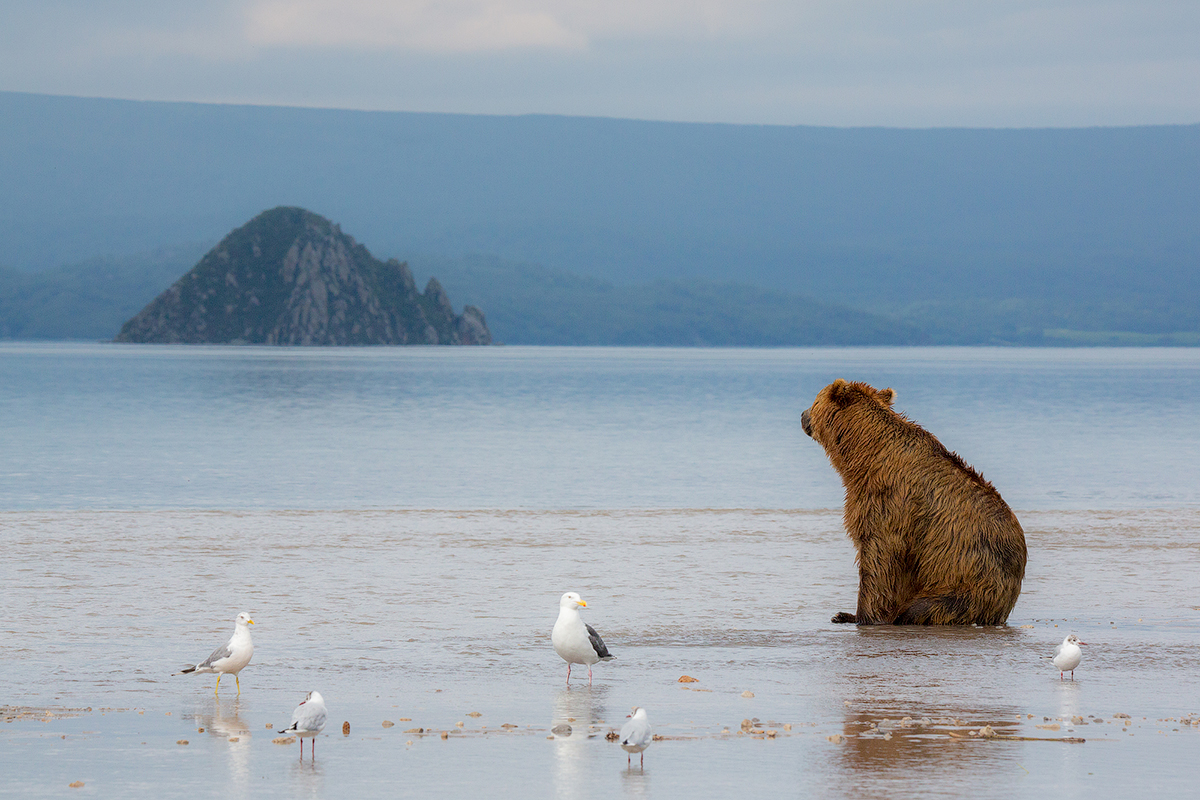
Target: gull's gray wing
[598, 643]
[221, 652]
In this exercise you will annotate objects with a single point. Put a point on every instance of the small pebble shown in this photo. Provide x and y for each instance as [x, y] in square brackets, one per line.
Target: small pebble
[986, 732]
[561, 730]
[687, 679]
[509, 725]
[836, 738]
[199, 730]
[409, 743]
[346, 728]
[270, 726]
[235, 738]
[387, 723]
[445, 734]
[181, 741]
[474, 714]
[747, 693]
[284, 740]
[76, 785]
[415, 730]
[787, 726]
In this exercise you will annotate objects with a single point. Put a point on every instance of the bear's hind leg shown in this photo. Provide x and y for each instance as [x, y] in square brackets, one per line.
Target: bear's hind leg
[844, 616]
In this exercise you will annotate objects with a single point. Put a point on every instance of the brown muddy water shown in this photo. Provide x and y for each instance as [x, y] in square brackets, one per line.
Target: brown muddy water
[438, 622]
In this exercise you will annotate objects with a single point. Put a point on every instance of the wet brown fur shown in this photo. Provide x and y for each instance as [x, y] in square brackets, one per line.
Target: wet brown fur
[937, 545]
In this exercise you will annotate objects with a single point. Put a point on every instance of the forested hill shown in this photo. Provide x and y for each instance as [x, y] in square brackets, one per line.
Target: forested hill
[983, 234]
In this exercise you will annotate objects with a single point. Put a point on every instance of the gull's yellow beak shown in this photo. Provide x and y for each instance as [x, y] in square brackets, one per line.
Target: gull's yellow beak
[583, 603]
[249, 622]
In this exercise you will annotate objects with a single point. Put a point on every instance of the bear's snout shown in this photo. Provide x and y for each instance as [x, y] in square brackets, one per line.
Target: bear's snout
[806, 422]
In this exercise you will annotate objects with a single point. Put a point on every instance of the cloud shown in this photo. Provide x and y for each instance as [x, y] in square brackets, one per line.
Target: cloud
[465, 26]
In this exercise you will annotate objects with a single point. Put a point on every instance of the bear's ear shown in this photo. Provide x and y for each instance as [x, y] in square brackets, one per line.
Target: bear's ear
[886, 396]
[837, 391]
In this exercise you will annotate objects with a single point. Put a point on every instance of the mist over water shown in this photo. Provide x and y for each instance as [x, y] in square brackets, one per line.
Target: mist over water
[401, 522]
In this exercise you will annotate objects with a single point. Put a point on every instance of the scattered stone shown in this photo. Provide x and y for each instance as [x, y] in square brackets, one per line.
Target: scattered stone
[836, 738]
[1053, 726]
[1025, 626]
[509, 725]
[415, 730]
[406, 719]
[284, 740]
[986, 732]
[687, 679]
[787, 726]
[76, 785]
[561, 730]
[409, 743]
[474, 714]
[1119, 715]
[181, 741]
[612, 736]
[270, 726]
[459, 724]
[199, 730]
[1077, 720]
[772, 734]
[445, 734]
[887, 736]
[387, 723]
[346, 728]
[747, 693]
[235, 738]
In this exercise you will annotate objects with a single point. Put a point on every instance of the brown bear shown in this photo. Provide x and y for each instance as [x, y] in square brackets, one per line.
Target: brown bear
[937, 545]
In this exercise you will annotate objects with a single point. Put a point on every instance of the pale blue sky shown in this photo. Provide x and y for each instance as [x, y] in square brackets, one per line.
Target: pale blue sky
[820, 62]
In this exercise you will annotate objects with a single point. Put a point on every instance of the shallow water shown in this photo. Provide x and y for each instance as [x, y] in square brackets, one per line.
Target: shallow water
[152, 501]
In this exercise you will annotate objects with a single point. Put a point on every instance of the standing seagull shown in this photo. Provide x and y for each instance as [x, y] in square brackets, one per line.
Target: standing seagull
[230, 657]
[307, 721]
[636, 736]
[575, 640]
[1068, 655]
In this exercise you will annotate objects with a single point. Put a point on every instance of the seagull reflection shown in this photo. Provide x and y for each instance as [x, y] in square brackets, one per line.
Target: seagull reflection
[308, 779]
[580, 707]
[224, 721]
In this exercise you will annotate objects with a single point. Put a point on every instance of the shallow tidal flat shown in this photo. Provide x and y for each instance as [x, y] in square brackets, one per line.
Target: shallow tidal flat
[438, 623]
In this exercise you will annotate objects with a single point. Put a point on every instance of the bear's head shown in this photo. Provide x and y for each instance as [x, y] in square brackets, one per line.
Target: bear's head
[820, 421]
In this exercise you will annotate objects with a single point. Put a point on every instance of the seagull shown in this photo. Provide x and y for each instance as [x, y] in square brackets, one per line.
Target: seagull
[636, 736]
[1068, 655]
[575, 640]
[307, 721]
[230, 657]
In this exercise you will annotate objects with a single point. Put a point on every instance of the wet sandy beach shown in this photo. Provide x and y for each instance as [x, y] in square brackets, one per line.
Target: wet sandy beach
[426, 620]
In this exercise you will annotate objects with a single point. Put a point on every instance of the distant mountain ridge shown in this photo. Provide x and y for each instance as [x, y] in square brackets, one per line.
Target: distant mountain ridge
[291, 277]
[967, 235]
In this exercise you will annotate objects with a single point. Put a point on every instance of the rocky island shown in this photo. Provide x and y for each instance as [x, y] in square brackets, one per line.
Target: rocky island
[291, 277]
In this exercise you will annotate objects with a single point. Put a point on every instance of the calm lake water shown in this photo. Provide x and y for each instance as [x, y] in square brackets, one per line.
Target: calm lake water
[401, 521]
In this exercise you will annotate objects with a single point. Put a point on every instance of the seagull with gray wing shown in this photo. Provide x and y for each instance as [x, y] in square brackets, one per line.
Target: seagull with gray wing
[636, 736]
[307, 721]
[230, 658]
[575, 640]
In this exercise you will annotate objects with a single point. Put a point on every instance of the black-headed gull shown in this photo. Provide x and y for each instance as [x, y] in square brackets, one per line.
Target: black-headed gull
[307, 721]
[1068, 655]
[636, 736]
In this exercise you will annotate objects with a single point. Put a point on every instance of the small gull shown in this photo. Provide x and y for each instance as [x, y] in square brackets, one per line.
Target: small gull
[1068, 655]
[575, 640]
[229, 658]
[307, 721]
[636, 736]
